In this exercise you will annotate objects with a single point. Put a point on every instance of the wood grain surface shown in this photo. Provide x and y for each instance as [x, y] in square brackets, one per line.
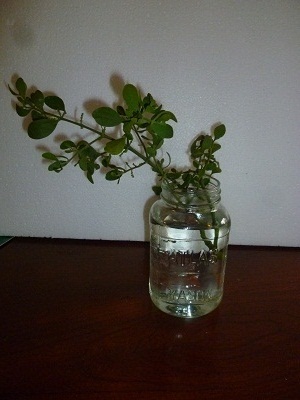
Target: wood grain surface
[77, 322]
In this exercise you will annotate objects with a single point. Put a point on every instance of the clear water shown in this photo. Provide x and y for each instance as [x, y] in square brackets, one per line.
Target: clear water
[186, 277]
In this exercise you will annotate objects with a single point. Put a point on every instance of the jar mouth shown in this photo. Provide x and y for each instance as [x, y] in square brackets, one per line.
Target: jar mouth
[210, 195]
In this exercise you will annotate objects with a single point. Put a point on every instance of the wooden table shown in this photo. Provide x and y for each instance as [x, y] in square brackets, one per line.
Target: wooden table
[77, 323]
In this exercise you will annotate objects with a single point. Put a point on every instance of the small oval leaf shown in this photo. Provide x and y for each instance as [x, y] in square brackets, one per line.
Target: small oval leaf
[22, 112]
[219, 131]
[115, 147]
[67, 144]
[106, 116]
[41, 128]
[207, 142]
[162, 129]
[49, 156]
[131, 96]
[165, 116]
[21, 87]
[216, 147]
[37, 98]
[151, 152]
[113, 175]
[55, 102]
[83, 164]
[56, 166]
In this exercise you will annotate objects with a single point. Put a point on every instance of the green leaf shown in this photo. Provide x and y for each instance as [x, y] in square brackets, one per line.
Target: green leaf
[57, 166]
[91, 167]
[90, 177]
[82, 144]
[142, 123]
[162, 129]
[115, 146]
[207, 142]
[113, 175]
[41, 128]
[67, 144]
[37, 98]
[157, 142]
[22, 112]
[186, 177]
[216, 147]
[131, 97]
[213, 167]
[49, 156]
[165, 116]
[86, 151]
[219, 131]
[21, 87]
[92, 153]
[83, 163]
[196, 147]
[106, 160]
[200, 174]
[150, 104]
[106, 116]
[55, 102]
[151, 152]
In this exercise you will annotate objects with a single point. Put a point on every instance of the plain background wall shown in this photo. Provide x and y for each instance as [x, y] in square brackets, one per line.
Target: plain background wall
[207, 61]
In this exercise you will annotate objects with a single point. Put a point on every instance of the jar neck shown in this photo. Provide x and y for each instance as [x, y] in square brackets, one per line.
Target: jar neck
[208, 197]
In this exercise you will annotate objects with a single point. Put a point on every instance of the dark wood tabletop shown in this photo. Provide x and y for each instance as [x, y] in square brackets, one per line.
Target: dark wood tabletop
[77, 323]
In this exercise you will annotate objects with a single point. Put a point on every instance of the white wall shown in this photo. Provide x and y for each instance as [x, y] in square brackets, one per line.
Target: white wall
[234, 61]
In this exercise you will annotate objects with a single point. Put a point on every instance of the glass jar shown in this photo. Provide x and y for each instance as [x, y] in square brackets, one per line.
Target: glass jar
[189, 232]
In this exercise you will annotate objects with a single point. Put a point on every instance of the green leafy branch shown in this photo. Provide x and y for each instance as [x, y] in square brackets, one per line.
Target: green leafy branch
[143, 128]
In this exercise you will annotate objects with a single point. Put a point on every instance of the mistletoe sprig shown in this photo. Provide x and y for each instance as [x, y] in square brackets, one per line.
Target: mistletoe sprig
[141, 126]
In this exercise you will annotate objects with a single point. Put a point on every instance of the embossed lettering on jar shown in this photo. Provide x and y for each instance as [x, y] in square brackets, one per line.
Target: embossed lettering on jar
[188, 250]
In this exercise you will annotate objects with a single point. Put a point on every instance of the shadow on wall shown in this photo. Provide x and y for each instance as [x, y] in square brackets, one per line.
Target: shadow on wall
[22, 34]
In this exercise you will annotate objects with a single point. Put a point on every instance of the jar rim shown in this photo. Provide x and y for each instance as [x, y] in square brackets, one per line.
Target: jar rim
[210, 195]
[212, 186]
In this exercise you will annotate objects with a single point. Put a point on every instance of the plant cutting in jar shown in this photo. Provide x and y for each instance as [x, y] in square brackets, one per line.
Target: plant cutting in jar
[126, 138]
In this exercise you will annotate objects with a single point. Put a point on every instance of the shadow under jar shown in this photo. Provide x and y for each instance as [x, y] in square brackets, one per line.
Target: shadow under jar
[189, 232]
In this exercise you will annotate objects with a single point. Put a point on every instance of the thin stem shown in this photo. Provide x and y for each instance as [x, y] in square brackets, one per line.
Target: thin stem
[140, 139]
[103, 135]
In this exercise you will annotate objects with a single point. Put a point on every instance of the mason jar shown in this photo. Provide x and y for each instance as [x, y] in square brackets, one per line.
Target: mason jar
[189, 232]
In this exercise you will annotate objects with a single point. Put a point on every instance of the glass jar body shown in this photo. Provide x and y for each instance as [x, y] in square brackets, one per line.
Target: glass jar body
[189, 232]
